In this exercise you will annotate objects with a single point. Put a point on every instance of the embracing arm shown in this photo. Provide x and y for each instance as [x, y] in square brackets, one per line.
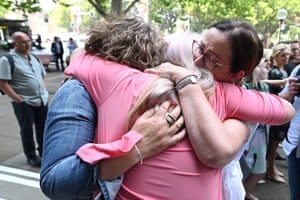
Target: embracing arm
[215, 142]
[70, 124]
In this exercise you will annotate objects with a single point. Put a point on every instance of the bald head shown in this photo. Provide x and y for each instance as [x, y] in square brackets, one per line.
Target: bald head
[22, 42]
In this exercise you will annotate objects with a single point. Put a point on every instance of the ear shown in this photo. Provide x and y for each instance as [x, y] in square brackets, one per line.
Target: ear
[234, 77]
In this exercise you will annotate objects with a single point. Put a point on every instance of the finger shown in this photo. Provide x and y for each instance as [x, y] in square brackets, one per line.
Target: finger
[178, 125]
[176, 138]
[148, 113]
[164, 107]
[156, 110]
[153, 70]
[175, 111]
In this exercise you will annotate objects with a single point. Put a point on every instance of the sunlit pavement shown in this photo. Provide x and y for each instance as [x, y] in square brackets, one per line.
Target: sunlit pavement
[18, 180]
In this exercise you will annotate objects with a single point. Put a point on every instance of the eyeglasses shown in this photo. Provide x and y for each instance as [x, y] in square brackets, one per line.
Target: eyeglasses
[210, 60]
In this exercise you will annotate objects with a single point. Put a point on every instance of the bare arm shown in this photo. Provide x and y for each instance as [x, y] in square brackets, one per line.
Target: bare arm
[275, 82]
[213, 142]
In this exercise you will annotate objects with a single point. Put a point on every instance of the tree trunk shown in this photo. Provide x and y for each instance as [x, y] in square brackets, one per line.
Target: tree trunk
[116, 7]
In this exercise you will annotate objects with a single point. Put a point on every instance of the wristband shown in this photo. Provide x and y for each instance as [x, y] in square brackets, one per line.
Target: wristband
[140, 156]
[190, 79]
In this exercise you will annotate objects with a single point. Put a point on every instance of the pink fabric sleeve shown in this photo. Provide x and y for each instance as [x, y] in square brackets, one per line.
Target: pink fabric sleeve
[93, 153]
[252, 105]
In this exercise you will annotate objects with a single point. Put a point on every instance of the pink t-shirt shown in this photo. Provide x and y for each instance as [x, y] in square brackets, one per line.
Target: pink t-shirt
[175, 172]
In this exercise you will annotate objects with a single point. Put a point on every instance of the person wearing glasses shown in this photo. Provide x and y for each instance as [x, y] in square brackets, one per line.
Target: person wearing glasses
[232, 187]
[223, 98]
[89, 152]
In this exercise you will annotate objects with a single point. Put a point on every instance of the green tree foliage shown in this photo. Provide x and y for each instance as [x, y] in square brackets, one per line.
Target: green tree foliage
[199, 14]
[107, 8]
[203, 13]
[62, 15]
[26, 6]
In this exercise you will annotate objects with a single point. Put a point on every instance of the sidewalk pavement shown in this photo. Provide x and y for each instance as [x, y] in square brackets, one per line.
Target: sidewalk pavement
[19, 181]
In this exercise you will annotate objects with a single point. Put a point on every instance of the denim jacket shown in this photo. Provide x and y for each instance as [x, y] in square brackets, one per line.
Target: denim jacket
[71, 123]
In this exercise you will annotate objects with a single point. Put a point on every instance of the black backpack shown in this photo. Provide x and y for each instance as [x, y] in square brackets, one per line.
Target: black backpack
[12, 66]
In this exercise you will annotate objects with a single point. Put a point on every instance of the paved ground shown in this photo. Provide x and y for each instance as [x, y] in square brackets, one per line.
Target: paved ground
[19, 181]
[272, 190]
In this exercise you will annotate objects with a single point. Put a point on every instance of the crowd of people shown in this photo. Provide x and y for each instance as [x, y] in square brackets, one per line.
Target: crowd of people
[142, 116]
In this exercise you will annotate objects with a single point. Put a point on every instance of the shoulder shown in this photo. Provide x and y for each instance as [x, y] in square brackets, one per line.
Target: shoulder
[275, 72]
[3, 58]
[74, 90]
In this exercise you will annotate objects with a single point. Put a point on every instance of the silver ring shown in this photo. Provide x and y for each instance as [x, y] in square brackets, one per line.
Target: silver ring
[170, 119]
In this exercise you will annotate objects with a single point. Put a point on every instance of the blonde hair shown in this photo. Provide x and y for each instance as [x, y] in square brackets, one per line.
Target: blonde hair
[254, 77]
[277, 49]
[179, 52]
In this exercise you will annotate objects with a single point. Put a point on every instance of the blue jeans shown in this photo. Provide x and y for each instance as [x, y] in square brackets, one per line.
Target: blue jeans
[28, 115]
[294, 175]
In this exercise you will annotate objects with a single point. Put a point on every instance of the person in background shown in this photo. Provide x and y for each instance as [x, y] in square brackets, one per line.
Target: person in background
[26, 86]
[279, 58]
[291, 143]
[255, 155]
[72, 45]
[265, 65]
[57, 50]
[209, 58]
[294, 59]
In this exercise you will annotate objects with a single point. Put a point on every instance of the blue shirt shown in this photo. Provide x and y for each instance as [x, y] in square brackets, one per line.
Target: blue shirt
[71, 123]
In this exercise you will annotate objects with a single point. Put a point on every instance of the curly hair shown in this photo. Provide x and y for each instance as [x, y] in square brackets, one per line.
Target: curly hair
[128, 41]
